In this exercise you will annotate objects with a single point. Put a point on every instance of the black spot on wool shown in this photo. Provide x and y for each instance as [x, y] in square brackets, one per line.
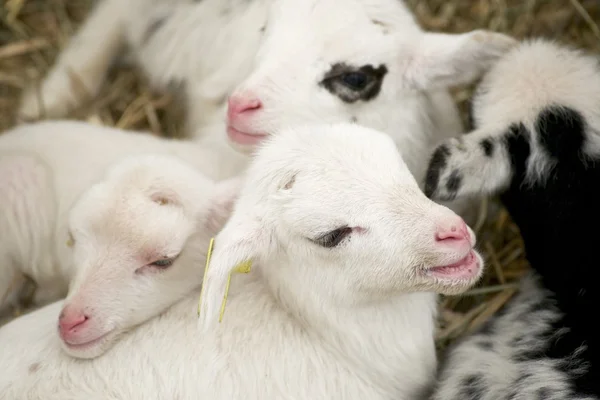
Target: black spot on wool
[557, 218]
[543, 393]
[454, 182]
[436, 164]
[486, 345]
[473, 387]
[487, 145]
[561, 132]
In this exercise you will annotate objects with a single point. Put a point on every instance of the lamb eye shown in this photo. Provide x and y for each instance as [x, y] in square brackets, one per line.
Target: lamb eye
[352, 83]
[334, 237]
[355, 80]
[163, 263]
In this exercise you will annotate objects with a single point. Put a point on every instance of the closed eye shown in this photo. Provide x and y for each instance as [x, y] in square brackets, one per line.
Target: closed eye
[333, 238]
[159, 265]
[163, 263]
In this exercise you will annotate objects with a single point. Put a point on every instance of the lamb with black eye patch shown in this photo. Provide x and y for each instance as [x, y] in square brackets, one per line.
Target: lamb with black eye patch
[536, 143]
[367, 62]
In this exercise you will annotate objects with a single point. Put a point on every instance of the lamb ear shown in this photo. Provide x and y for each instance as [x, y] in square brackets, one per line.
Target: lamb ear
[443, 60]
[239, 242]
[222, 203]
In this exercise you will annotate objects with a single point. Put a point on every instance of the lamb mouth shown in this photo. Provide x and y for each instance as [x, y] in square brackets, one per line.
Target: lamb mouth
[89, 343]
[244, 138]
[465, 269]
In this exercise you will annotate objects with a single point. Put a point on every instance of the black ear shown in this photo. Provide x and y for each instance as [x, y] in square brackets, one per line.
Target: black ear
[561, 132]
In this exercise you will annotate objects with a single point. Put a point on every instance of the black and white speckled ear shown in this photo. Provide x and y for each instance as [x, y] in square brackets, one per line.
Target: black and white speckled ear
[475, 164]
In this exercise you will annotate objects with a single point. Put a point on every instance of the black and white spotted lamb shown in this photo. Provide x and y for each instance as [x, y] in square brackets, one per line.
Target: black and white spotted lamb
[536, 143]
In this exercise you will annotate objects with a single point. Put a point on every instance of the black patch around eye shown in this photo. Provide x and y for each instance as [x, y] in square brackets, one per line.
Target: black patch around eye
[333, 238]
[351, 84]
[355, 80]
[488, 147]
[561, 131]
[436, 165]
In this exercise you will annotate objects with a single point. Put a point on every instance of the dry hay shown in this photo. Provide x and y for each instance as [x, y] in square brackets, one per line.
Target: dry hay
[33, 31]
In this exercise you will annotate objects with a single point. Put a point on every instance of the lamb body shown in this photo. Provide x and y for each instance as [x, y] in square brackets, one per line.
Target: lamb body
[279, 64]
[347, 254]
[537, 143]
[44, 168]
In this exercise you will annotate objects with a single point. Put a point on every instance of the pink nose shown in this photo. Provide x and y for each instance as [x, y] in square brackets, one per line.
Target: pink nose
[242, 104]
[455, 230]
[70, 321]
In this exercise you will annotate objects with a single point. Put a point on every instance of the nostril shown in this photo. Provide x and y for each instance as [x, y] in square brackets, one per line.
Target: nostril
[254, 104]
[243, 104]
[68, 322]
[456, 231]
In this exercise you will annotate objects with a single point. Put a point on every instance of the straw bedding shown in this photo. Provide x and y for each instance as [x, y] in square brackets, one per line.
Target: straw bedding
[32, 32]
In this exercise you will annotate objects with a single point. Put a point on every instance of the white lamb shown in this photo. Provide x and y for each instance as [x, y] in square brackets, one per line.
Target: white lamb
[44, 167]
[340, 301]
[150, 220]
[282, 62]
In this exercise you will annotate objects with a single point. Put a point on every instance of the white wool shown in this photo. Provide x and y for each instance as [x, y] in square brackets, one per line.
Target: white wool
[353, 321]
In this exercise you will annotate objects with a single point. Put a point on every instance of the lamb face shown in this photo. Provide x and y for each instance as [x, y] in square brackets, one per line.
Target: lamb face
[341, 61]
[139, 242]
[335, 210]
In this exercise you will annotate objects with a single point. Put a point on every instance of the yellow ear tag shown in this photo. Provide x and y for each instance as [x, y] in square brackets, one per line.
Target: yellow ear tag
[208, 255]
[242, 268]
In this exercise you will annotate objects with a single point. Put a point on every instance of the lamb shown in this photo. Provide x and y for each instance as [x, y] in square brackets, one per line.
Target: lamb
[537, 143]
[150, 220]
[340, 300]
[249, 68]
[44, 168]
